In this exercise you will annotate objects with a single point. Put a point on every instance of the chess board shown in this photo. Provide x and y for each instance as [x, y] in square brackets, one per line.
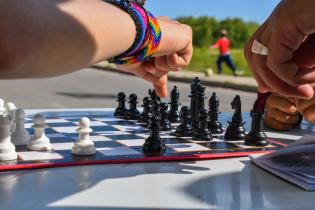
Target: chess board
[118, 141]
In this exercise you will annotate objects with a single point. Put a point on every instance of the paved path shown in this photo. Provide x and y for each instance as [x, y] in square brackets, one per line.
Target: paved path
[226, 81]
[91, 88]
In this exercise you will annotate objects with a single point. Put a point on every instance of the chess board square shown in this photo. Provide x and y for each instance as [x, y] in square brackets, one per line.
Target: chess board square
[242, 145]
[143, 135]
[93, 123]
[70, 129]
[120, 122]
[28, 125]
[214, 145]
[187, 147]
[103, 128]
[117, 151]
[108, 119]
[105, 144]
[60, 139]
[35, 156]
[56, 135]
[73, 119]
[120, 136]
[99, 138]
[130, 143]
[56, 120]
[61, 124]
[62, 146]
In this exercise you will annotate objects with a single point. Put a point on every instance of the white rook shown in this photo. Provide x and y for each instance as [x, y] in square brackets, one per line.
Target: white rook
[7, 149]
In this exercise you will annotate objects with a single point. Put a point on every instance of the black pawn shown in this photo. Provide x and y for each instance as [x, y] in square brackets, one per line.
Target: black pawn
[256, 137]
[164, 123]
[214, 125]
[154, 143]
[184, 129]
[143, 117]
[121, 110]
[132, 113]
[236, 131]
[202, 132]
[174, 115]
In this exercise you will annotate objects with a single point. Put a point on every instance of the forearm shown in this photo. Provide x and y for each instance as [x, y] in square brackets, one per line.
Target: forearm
[52, 37]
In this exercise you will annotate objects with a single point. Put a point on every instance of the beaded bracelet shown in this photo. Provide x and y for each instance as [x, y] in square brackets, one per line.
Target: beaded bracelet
[148, 35]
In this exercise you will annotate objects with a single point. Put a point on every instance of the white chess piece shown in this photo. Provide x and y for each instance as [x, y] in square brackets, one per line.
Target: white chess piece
[84, 145]
[20, 136]
[2, 108]
[10, 110]
[7, 149]
[39, 142]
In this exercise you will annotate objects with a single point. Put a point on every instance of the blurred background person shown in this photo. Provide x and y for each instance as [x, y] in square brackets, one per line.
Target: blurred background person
[223, 44]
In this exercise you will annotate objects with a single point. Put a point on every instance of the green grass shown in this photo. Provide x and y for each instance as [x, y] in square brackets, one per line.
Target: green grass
[204, 58]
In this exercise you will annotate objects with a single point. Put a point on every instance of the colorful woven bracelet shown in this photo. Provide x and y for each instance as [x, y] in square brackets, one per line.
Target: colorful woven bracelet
[149, 47]
[148, 35]
[140, 20]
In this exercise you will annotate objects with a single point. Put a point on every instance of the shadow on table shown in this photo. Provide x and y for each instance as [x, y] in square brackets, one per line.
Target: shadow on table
[42, 189]
[252, 188]
[88, 95]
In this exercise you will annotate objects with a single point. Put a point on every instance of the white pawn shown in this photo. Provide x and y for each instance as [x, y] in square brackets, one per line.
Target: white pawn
[10, 110]
[84, 145]
[39, 142]
[7, 149]
[2, 108]
[20, 136]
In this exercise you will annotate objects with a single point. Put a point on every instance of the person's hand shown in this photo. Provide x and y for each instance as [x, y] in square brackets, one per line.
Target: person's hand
[287, 69]
[175, 52]
[281, 113]
[307, 109]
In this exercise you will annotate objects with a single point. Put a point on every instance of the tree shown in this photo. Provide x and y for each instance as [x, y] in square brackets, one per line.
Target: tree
[206, 30]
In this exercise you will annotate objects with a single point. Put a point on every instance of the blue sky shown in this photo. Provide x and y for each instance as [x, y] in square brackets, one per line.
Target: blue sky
[249, 10]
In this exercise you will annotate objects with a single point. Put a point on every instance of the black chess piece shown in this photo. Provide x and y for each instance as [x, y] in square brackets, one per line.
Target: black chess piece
[165, 123]
[132, 113]
[121, 110]
[143, 117]
[200, 104]
[194, 104]
[156, 108]
[174, 115]
[154, 143]
[256, 137]
[214, 125]
[202, 132]
[236, 131]
[154, 96]
[184, 129]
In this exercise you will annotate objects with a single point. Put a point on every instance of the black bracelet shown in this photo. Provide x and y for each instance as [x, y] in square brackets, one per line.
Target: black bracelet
[125, 6]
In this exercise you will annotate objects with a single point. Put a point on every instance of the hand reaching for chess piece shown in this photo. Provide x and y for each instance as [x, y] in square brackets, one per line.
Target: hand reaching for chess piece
[282, 113]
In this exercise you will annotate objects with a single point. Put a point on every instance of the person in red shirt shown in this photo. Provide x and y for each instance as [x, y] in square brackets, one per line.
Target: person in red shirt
[224, 45]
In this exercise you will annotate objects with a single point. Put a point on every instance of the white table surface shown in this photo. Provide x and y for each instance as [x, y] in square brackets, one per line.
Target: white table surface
[213, 184]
